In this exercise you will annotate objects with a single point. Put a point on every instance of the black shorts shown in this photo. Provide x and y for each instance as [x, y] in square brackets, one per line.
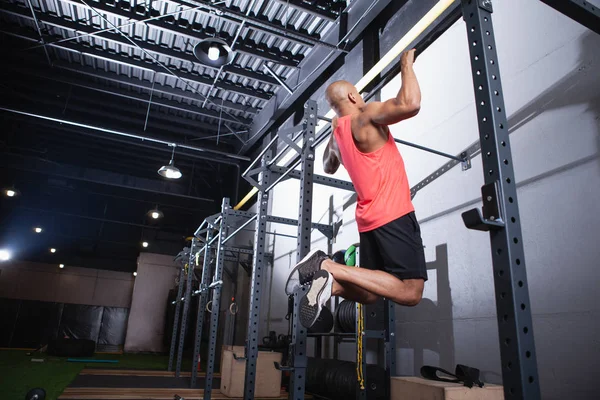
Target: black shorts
[396, 248]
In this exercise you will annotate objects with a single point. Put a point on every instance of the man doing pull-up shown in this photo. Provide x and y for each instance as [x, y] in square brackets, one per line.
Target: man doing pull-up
[391, 249]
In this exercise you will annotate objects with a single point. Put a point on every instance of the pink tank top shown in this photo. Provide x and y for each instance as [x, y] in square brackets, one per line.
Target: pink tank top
[379, 178]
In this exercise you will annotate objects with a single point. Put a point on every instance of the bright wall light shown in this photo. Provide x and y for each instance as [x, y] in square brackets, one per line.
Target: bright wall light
[11, 192]
[38, 229]
[61, 265]
[5, 255]
[52, 250]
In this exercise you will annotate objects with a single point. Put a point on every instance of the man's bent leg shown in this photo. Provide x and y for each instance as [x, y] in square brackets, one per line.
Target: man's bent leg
[406, 292]
[352, 292]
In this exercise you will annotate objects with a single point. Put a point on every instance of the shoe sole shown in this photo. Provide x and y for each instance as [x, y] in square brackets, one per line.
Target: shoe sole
[310, 313]
[306, 257]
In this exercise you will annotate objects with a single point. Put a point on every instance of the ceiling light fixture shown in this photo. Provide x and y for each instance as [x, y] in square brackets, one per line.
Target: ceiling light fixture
[38, 229]
[155, 213]
[11, 192]
[134, 273]
[145, 244]
[5, 255]
[170, 171]
[214, 52]
[61, 265]
[52, 250]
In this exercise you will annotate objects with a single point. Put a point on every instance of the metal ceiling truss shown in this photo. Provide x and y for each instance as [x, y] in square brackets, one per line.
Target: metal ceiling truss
[137, 97]
[143, 97]
[205, 80]
[158, 87]
[193, 31]
[330, 10]
[262, 23]
[77, 27]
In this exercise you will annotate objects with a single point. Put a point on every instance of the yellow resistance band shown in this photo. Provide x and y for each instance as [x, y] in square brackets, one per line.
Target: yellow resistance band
[359, 347]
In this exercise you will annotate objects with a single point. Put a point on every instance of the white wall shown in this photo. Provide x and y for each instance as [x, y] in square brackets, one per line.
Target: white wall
[550, 73]
[146, 325]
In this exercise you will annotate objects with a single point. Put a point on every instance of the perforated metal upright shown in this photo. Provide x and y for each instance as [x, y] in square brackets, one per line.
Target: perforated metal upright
[256, 288]
[202, 302]
[500, 209]
[176, 317]
[299, 359]
[187, 298]
[216, 300]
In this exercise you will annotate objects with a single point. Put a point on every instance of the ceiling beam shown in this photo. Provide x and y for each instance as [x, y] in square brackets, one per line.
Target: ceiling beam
[190, 31]
[181, 152]
[216, 155]
[142, 84]
[325, 11]
[270, 27]
[151, 65]
[85, 48]
[80, 28]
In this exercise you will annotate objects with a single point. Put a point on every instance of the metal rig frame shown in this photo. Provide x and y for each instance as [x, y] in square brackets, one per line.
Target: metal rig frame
[500, 214]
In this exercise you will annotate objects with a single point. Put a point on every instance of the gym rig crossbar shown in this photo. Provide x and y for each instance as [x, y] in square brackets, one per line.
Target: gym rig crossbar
[499, 216]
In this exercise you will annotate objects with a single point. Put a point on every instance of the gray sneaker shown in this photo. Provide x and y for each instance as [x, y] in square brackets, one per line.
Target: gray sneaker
[304, 271]
[316, 297]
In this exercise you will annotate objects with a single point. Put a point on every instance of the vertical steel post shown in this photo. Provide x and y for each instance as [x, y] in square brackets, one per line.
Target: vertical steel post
[176, 317]
[390, 345]
[216, 301]
[187, 298]
[258, 272]
[202, 301]
[298, 378]
[517, 349]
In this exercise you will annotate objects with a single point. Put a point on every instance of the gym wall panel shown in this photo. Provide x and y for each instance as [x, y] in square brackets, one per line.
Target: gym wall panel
[37, 285]
[113, 292]
[146, 323]
[47, 282]
[8, 277]
[549, 67]
[76, 289]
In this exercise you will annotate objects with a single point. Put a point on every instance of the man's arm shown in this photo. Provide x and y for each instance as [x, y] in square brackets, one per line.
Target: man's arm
[331, 155]
[406, 104]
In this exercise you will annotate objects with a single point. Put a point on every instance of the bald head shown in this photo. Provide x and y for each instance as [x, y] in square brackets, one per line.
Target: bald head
[341, 94]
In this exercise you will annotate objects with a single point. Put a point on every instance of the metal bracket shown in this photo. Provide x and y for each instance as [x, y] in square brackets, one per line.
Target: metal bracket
[466, 163]
[282, 367]
[486, 5]
[287, 134]
[327, 232]
[492, 217]
[204, 288]
[235, 357]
